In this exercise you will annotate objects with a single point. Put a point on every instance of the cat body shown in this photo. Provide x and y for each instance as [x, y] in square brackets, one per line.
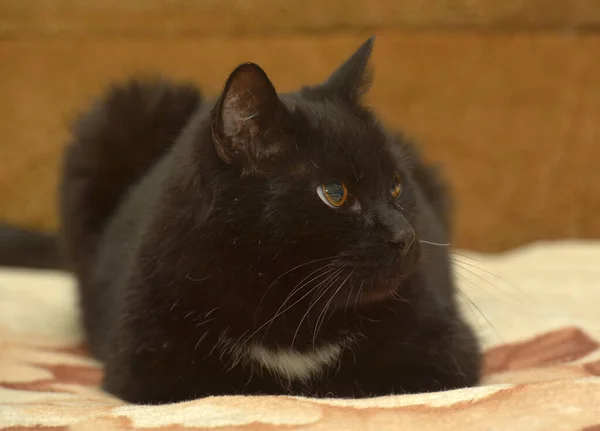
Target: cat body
[262, 243]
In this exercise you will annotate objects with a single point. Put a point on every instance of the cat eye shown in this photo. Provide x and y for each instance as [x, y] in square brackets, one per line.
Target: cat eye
[396, 189]
[333, 193]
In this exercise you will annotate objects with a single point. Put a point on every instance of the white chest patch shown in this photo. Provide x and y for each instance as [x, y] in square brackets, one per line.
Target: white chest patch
[292, 364]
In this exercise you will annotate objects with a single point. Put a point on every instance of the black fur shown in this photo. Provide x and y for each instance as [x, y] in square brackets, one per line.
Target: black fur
[189, 225]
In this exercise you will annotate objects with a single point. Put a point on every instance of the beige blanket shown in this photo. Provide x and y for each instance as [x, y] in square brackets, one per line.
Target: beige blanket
[537, 310]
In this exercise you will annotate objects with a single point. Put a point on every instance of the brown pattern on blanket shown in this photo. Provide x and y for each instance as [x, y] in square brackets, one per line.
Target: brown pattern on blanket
[556, 347]
[593, 368]
[65, 374]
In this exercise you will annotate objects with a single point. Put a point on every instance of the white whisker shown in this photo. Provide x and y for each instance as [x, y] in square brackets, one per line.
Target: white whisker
[279, 313]
[439, 244]
[330, 278]
[462, 265]
[348, 299]
[318, 325]
[311, 305]
[291, 270]
[481, 313]
[358, 294]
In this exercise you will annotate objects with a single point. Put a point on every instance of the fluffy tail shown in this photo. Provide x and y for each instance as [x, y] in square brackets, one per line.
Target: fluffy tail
[113, 146]
[28, 249]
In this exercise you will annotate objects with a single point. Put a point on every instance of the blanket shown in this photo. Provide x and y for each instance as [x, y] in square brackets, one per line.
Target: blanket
[536, 309]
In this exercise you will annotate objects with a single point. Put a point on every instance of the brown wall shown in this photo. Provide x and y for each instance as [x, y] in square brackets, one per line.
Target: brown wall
[504, 96]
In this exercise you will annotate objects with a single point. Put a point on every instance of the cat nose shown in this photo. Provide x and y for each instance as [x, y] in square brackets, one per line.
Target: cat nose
[401, 238]
[395, 228]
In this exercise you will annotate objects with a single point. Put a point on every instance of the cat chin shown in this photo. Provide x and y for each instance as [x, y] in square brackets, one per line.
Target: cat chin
[378, 295]
[384, 290]
[381, 291]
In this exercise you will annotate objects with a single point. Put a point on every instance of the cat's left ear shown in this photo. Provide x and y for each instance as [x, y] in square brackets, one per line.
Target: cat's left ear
[248, 119]
[352, 79]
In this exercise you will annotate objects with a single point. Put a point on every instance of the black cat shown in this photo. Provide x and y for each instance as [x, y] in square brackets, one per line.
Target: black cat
[262, 244]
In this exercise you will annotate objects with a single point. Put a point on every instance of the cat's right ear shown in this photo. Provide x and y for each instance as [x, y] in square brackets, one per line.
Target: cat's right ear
[248, 119]
[353, 78]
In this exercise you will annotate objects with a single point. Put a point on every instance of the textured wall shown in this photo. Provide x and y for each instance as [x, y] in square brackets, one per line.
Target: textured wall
[514, 115]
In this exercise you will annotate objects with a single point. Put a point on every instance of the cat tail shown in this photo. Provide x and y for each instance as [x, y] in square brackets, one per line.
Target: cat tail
[113, 145]
[23, 248]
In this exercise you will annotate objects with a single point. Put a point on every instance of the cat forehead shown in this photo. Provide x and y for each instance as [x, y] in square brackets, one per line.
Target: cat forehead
[323, 111]
[354, 133]
[332, 125]
[340, 136]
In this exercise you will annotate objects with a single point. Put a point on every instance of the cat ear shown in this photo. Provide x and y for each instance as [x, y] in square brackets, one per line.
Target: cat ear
[247, 121]
[352, 79]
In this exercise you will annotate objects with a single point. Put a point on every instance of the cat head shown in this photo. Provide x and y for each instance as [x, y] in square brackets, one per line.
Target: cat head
[312, 190]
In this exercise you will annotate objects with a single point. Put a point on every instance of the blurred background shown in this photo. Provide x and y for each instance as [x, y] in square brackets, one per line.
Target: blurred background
[505, 93]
